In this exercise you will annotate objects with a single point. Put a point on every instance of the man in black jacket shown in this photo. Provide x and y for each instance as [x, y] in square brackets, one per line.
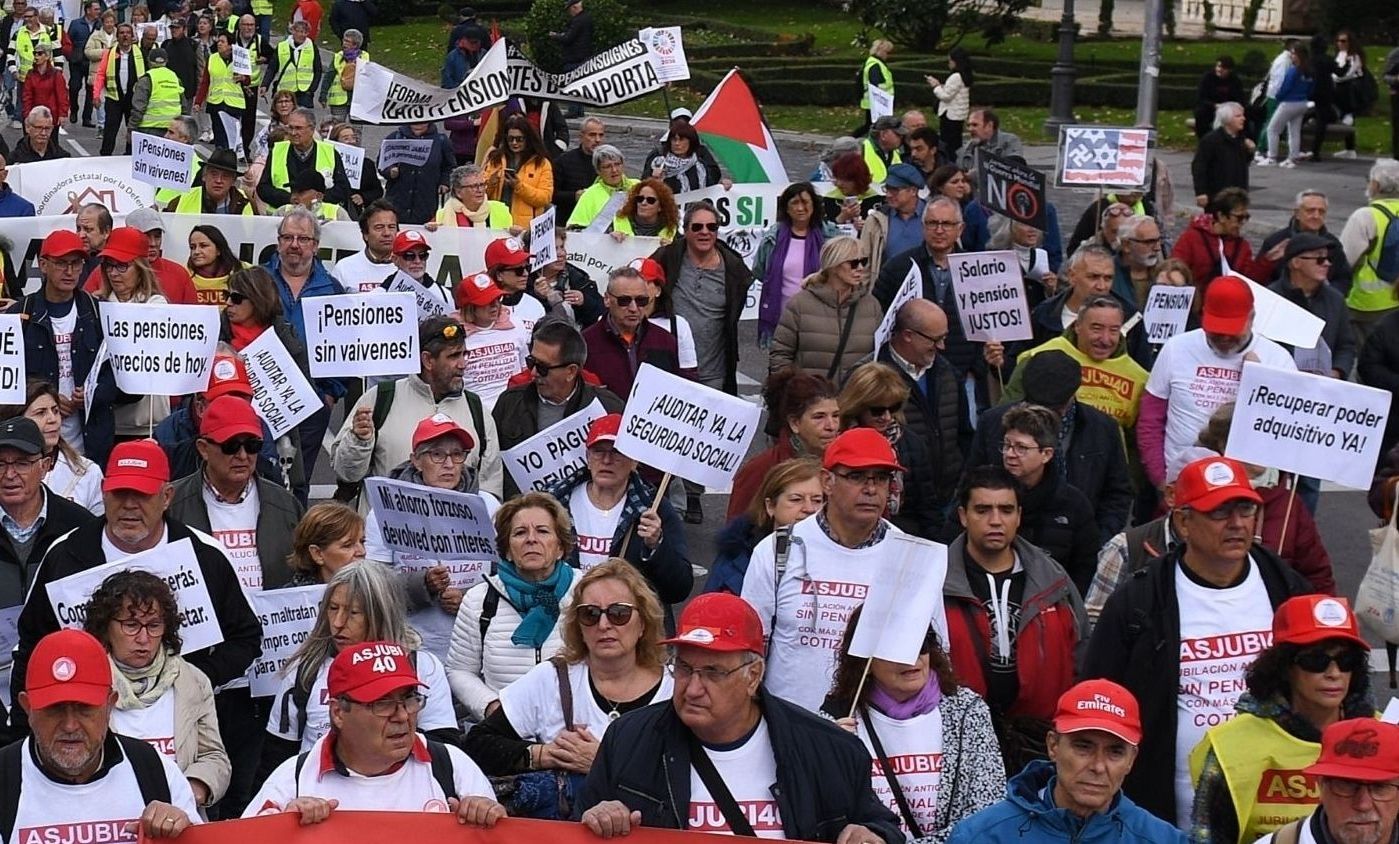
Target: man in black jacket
[794, 773]
[1309, 215]
[574, 170]
[1222, 156]
[575, 42]
[1182, 631]
[136, 492]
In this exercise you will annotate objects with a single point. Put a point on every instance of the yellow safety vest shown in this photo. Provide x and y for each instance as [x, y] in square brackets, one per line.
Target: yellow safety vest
[262, 7]
[192, 202]
[112, 70]
[223, 89]
[167, 98]
[887, 85]
[255, 79]
[292, 75]
[330, 212]
[876, 164]
[1114, 386]
[1262, 765]
[1369, 292]
[25, 42]
[337, 94]
[325, 163]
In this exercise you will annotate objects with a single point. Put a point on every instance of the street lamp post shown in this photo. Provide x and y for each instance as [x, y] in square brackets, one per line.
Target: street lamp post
[1150, 73]
[1061, 91]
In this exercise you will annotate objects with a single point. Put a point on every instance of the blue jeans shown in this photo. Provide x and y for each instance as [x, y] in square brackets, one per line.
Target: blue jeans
[13, 87]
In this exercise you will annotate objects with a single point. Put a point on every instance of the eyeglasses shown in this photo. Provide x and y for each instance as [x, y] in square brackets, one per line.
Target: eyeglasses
[941, 224]
[116, 266]
[386, 707]
[936, 341]
[297, 239]
[18, 466]
[1008, 447]
[882, 410]
[710, 676]
[857, 263]
[1247, 509]
[248, 445]
[867, 477]
[515, 139]
[439, 457]
[626, 301]
[473, 186]
[1381, 792]
[236, 298]
[647, 200]
[131, 627]
[617, 614]
[415, 255]
[73, 265]
[1317, 660]
[1118, 212]
[1153, 242]
[540, 366]
[704, 227]
[1242, 218]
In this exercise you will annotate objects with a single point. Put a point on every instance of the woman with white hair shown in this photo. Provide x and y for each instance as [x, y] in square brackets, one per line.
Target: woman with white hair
[605, 196]
[830, 323]
[874, 74]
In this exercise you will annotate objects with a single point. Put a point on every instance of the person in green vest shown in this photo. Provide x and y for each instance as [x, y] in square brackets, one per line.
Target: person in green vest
[261, 52]
[301, 152]
[875, 72]
[1371, 297]
[881, 147]
[334, 93]
[262, 15]
[607, 194]
[298, 67]
[157, 98]
[224, 100]
[308, 191]
[1315, 674]
[182, 129]
[217, 192]
[124, 66]
[25, 39]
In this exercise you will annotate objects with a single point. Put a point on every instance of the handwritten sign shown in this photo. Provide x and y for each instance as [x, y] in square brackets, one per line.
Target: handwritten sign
[352, 335]
[281, 394]
[438, 523]
[1167, 311]
[428, 305]
[160, 350]
[287, 617]
[543, 251]
[990, 296]
[554, 453]
[352, 157]
[242, 61]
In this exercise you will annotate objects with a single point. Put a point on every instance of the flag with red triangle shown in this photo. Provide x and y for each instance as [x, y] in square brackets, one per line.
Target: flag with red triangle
[732, 125]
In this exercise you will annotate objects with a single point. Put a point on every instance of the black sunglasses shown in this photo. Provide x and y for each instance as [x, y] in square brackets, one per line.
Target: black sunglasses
[249, 445]
[540, 366]
[1317, 660]
[626, 301]
[617, 614]
[704, 227]
[647, 200]
[236, 298]
[880, 410]
[856, 263]
[415, 256]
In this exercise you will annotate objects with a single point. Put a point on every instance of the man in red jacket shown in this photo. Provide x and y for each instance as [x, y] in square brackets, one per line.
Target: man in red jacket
[1214, 243]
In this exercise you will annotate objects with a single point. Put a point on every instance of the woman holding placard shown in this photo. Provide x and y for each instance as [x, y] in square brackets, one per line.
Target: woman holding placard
[791, 491]
[946, 763]
[126, 276]
[830, 323]
[70, 474]
[160, 697]
[370, 188]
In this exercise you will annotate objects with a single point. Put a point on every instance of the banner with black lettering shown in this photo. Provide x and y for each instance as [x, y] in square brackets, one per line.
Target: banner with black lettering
[160, 350]
[442, 524]
[990, 296]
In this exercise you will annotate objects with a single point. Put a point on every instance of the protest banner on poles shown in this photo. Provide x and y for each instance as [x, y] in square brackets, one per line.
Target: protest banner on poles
[13, 389]
[686, 429]
[911, 288]
[410, 151]
[666, 45]
[282, 395]
[1312, 425]
[428, 305]
[175, 563]
[1167, 311]
[543, 251]
[612, 77]
[351, 335]
[554, 453]
[881, 102]
[287, 617]
[1012, 189]
[160, 162]
[439, 523]
[904, 598]
[1104, 157]
[990, 295]
[242, 61]
[352, 158]
[160, 350]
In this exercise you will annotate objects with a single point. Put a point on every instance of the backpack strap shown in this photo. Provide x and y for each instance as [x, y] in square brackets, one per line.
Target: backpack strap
[473, 403]
[914, 829]
[1290, 833]
[296, 774]
[442, 769]
[146, 764]
[10, 775]
[782, 551]
[565, 690]
[489, 606]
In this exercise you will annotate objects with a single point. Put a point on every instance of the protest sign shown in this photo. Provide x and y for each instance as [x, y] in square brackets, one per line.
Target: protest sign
[881, 102]
[1284, 321]
[160, 162]
[65, 185]
[90, 382]
[614, 76]
[1312, 425]
[428, 305]
[287, 617]
[461, 574]
[1104, 156]
[687, 429]
[439, 523]
[542, 248]
[990, 296]
[351, 336]
[911, 288]
[9, 629]
[1013, 189]
[160, 350]
[12, 371]
[904, 598]
[666, 47]
[411, 151]
[382, 96]
[352, 157]
[242, 61]
[175, 563]
[281, 394]
[553, 453]
[1167, 311]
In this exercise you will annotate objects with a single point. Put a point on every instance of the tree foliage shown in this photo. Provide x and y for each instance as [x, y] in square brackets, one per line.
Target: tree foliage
[1376, 22]
[611, 26]
[927, 25]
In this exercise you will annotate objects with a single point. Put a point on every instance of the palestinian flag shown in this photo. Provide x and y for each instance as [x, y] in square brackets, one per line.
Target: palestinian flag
[731, 124]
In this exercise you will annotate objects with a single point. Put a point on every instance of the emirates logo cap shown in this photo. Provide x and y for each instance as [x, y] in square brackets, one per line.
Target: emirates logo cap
[1099, 705]
[1308, 619]
[718, 621]
[1361, 749]
[68, 666]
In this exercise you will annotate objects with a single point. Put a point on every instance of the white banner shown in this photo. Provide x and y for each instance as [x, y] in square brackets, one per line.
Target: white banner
[910, 289]
[160, 350]
[543, 250]
[428, 306]
[161, 163]
[281, 394]
[242, 61]
[287, 617]
[666, 48]
[553, 453]
[410, 151]
[881, 102]
[12, 371]
[352, 157]
[440, 524]
[351, 336]
[990, 296]
[175, 563]
[1167, 311]
[904, 599]
[609, 78]
[1312, 425]
[1283, 321]
[382, 96]
[65, 185]
[687, 429]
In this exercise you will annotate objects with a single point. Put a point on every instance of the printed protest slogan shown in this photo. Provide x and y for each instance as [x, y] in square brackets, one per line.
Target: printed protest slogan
[910, 289]
[160, 350]
[281, 394]
[12, 369]
[352, 335]
[160, 162]
[438, 523]
[990, 296]
[287, 617]
[1167, 311]
[1013, 189]
[554, 453]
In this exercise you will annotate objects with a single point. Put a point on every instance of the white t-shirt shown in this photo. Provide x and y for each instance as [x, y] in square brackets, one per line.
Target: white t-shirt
[111, 553]
[410, 788]
[914, 749]
[526, 313]
[361, 274]
[1222, 631]
[686, 354]
[82, 488]
[437, 713]
[235, 527]
[595, 527]
[1195, 380]
[493, 357]
[750, 772]
[95, 811]
[532, 704]
[63, 328]
[155, 724]
[824, 582]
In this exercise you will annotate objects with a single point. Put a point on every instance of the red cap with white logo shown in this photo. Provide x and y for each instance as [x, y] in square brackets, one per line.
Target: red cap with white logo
[1308, 619]
[1099, 705]
[369, 671]
[68, 666]
[506, 252]
[1212, 481]
[718, 621]
[139, 465]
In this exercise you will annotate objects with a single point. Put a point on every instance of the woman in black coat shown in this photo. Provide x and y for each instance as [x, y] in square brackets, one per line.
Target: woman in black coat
[1219, 85]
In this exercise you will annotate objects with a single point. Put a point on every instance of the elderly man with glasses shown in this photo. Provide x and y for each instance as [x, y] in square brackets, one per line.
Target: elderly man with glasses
[624, 339]
[1357, 775]
[302, 152]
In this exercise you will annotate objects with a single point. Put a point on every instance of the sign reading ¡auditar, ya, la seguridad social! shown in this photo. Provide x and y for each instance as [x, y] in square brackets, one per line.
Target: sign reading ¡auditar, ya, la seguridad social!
[990, 296]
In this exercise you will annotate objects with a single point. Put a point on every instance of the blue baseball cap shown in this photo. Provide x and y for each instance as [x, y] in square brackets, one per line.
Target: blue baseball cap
[904, 176]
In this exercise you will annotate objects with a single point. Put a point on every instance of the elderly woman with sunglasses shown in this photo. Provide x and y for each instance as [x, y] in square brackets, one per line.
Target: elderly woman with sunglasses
[612, 663]
[126, 276]
[829, 325]
[1315, 673]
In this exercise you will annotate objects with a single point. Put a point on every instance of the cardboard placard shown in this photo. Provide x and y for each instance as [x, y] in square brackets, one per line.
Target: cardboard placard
[438, 523]
[287, 617]
[1012, 189]
[543, 251]
[428, 306]
[411, 151]
[160, 350]
[553, 453]
[990, 293]
[352, 157]
[904, 598]
[242, 61]
[12, 368]
[665, 46]
[282, 395]
[1104, 157]
[910, 289]
[1167, 311]
[352, 335]
[160, 162]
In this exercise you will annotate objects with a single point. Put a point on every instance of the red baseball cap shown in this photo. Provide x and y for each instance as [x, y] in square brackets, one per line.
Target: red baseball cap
[650, 270]
[68, 666]
[477, 290]
[604, 428]
[720, 622]
[861, 448]
[441, 425]
[139, 465]
[126, 244]
[1099, 705]
[1212, 481]
[1228, 305]
[1361, 749]
[228, 376]
[506, 252]
[1307, 619]
[62, 242]
[406, 240]
[228, 416]
[369, 671]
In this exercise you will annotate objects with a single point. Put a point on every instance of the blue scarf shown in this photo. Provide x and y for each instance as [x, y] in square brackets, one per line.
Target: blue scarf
[537, 601]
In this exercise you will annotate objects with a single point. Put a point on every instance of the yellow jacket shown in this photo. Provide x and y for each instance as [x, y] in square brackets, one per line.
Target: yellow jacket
[534, 187]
